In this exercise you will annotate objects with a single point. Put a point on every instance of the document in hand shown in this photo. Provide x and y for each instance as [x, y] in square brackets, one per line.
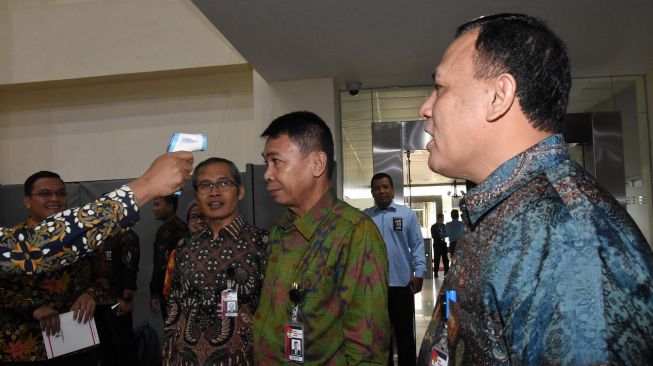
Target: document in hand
[72, 337]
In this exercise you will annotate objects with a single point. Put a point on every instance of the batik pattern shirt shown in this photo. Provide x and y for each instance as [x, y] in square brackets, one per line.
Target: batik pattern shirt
[167, 237]
[195, 332]
[21, 338]
[119, 258]
[552, 271]
[337, 257]
[63, 238]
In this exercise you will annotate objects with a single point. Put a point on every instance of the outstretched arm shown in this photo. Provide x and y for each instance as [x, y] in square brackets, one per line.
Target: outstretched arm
[69, 235]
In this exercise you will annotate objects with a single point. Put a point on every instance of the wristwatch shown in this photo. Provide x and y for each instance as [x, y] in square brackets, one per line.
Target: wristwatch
[35, 303]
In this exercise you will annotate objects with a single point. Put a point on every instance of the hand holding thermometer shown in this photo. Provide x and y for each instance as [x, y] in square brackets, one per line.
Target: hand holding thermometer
[187, 142]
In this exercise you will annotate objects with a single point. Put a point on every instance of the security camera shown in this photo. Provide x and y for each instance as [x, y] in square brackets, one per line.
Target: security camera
[354, 87]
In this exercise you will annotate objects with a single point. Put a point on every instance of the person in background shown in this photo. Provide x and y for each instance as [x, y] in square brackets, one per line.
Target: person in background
[552, 270]
[77, 288]
[196, 223]
[438, 233]
[454, 230]
[113, 317]
[403, 239]
[327, 264]
[168, 235]
[217, 279]
[49, 245]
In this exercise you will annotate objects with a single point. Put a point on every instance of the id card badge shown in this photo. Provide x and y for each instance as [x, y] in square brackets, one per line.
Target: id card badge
[229, 300]
[398, 223]
[294, 342]
[439, 356]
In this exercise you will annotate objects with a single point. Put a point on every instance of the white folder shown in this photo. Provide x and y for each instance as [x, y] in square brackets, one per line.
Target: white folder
[72, 337]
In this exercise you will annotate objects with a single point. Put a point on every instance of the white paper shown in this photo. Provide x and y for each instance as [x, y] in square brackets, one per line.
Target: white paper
[72, 337]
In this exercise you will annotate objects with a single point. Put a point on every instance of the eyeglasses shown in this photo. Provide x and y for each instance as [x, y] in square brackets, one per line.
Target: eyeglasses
[221, 185]
[47, 194]
[196, 218]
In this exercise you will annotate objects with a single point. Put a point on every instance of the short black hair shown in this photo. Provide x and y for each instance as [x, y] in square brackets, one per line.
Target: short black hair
[235, 173]
[173, 200]
[308, 131]
[524, 47]
[382, 175]
[454, 214]
[29, 182]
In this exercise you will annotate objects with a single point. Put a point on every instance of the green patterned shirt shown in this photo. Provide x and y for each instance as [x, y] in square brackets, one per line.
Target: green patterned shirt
[338, 257]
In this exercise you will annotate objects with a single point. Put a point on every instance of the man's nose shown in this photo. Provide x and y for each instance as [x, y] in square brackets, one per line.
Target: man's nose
[267, 175]
[427, 106]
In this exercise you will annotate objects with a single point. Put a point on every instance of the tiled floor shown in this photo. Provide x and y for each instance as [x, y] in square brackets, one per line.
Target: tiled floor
[424, 304]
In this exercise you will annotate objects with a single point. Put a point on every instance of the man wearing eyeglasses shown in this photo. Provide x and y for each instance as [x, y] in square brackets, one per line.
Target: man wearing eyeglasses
[217, 278]
[77, 288]
[70, 235]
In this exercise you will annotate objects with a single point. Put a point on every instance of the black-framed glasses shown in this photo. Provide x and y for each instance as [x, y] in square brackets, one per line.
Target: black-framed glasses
[47, 194]
[196, 218]
[222, 185]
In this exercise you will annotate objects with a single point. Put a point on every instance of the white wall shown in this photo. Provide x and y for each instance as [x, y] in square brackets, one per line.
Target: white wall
[113, 129]
[68, 39]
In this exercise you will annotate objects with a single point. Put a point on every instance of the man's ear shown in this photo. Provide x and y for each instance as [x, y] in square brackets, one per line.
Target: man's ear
[319, 163]
[504, 89]
[27, 201]
[241, 192]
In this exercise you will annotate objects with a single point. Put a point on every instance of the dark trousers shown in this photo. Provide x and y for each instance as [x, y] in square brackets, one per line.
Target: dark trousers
[440, 251]
[117, 345]
[401, 307]
[452, 247]
[87, 356]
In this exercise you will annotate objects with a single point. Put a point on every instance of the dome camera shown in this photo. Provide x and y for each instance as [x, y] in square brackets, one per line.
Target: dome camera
[354, 87]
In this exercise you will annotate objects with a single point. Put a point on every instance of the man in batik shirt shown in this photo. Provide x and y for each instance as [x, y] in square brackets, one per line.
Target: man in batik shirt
[552, 270]
[77, 288]
[49, 245]
[119, 257]
[227, 257]
[327, 260]
[168, 235]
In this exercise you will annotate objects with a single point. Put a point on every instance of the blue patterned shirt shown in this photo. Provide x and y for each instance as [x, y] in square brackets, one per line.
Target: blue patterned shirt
[551, 271]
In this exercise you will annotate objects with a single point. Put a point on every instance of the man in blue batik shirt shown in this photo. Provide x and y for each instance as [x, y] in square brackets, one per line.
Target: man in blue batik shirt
[552, 270]
[403, 239]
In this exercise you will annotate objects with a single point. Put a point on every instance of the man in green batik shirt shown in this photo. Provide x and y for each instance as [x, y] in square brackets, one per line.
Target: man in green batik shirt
[330, 250]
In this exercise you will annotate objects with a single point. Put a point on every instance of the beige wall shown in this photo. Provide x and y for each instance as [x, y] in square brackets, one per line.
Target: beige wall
[272, 100]
[125, 122]
[69, 39]
[110, 129]
[94, 89]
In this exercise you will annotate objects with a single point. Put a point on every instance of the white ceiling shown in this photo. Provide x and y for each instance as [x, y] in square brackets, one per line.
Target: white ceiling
[398, 43]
